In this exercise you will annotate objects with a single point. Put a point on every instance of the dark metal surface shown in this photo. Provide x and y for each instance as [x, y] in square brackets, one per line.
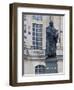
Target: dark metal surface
[51, 40]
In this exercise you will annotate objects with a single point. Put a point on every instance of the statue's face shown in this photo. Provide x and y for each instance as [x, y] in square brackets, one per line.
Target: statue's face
[51, 23]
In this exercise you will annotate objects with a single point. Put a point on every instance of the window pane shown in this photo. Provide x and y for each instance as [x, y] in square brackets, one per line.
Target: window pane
[37, 43]
[33, 33]
[34, 25]
[33, 42]
[38, 39]
[36, 47]
[33, 29]
[39, 30]
[33, 38]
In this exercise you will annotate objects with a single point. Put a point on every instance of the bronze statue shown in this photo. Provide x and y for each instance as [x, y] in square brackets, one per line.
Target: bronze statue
[51, 40]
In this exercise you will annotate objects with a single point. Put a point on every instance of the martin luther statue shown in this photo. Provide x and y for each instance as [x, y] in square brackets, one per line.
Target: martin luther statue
[51, 40]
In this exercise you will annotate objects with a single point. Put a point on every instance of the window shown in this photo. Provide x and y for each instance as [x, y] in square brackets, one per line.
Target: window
[37, 17]
[39, 69]
[37, 36]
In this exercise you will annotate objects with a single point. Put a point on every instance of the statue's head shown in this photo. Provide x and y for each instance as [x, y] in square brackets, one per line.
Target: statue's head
[51, 23]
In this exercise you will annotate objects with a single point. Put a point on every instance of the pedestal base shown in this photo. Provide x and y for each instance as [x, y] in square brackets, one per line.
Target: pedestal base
[51, 64]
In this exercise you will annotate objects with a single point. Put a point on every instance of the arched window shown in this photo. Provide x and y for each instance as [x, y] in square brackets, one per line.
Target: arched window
[40, 69]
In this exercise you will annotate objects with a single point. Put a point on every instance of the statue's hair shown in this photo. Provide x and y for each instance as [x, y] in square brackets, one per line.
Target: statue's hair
[51, 22]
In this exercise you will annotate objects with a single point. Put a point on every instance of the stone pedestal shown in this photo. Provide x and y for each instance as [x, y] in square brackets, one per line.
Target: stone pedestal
[51, 64]
[54, 64]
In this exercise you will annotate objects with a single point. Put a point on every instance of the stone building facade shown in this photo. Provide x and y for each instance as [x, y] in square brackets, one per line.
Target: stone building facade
[34, 44]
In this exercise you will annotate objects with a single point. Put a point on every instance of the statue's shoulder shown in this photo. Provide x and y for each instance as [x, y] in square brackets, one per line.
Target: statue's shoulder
[48, 28]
